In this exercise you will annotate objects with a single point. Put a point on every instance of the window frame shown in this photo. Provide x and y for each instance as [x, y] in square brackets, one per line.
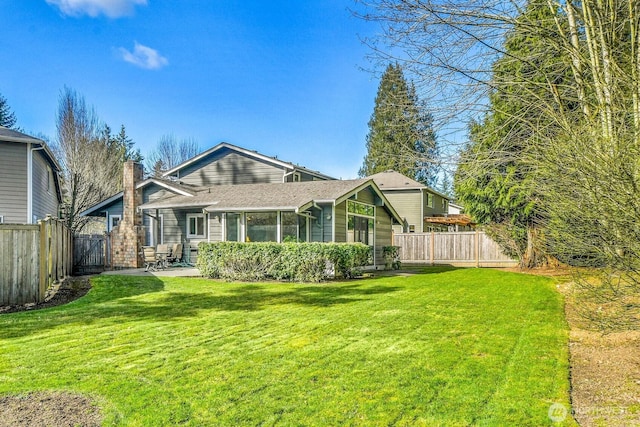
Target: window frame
[196, 216]
[111, 218]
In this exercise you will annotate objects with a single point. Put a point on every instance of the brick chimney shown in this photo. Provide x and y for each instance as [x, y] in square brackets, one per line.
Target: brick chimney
[128, 237]
[132, 175]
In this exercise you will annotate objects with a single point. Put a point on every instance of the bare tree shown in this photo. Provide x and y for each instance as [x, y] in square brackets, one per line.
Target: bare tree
[90, 167]
[169, 153]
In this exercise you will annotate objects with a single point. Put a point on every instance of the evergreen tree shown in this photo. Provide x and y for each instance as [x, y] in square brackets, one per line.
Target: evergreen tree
[7, 117]
[496, 181]
[401, 135]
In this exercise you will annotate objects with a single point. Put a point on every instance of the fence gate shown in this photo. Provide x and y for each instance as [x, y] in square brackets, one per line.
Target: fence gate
[91, 253]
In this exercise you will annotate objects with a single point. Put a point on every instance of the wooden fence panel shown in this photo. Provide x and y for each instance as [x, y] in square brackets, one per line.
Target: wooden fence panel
[19, 271]
[456, 248]
[33, 258]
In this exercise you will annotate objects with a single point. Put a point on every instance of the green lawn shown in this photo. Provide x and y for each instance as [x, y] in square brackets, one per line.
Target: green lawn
[447, 347]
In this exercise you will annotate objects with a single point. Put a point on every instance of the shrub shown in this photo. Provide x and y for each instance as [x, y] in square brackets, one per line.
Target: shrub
[301, 262]
[391, 256]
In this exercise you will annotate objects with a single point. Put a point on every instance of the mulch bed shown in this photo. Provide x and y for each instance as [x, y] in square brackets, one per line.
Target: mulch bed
[71, 289]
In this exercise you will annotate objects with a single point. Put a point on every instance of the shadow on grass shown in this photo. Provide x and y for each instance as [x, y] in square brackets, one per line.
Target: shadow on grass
[114, 302]
[247, 298]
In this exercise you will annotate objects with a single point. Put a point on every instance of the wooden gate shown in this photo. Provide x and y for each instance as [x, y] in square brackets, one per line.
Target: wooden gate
[91, 253]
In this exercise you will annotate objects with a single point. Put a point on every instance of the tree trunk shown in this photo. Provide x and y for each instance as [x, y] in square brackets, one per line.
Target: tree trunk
[535, 255]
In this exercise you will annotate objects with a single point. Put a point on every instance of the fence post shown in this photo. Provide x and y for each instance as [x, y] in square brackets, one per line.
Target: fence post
[477, 241]
[433, 246]
[44, 259]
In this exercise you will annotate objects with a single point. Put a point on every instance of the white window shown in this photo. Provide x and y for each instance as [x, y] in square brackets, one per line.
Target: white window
[296, 177]
[49, 177]
[195, 226]
[1, 219]
[114, 220]
[429, 200]
[157, 228]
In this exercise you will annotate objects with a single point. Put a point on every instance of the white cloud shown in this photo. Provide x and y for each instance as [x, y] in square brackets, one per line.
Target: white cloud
[144, 57]
[93, 8]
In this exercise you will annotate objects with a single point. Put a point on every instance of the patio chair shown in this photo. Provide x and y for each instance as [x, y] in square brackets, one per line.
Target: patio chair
[162, 253]
[150, 259]
[176, 253]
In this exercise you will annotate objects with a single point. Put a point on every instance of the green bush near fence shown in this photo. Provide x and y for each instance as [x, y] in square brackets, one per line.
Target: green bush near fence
[299, 262]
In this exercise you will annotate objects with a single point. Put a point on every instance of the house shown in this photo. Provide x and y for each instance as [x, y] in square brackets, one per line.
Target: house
[414, 202]
[229, 193]
[29, 179]
[455, 209]
[224, 164]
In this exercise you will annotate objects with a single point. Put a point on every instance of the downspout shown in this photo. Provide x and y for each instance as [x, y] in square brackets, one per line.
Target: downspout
[284, 177]
[333, 222]
[30, 181]
[421, 211]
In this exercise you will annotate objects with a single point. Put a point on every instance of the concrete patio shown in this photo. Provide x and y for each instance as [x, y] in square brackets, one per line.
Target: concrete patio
[167, 272]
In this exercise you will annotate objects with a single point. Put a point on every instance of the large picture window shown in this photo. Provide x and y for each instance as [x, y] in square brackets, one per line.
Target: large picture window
[293, 227]
[195, 226]
[360, 222]
[262, 226]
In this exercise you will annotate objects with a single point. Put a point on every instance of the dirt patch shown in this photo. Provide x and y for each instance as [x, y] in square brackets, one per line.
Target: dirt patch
[48, 409]
[605, 371]
[69, 290]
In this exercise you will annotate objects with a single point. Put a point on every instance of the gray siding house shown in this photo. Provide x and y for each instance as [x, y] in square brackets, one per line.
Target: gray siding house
[414, 202]
[311, 211]
[29, 179]
[229, 193]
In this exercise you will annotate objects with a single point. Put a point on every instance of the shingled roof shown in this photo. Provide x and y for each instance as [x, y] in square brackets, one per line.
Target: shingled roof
[392, 180]
[295, 196]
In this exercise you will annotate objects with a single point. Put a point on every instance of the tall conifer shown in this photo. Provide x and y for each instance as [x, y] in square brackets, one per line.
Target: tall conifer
[401, 135]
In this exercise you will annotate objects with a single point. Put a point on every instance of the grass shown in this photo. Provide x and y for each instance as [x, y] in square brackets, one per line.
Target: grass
[447, 347]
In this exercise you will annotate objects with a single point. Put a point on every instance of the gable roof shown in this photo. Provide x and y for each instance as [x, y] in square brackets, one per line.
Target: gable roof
[246, 152]
[11, 135]
[174, 187]
[392, 180]
[296, 196]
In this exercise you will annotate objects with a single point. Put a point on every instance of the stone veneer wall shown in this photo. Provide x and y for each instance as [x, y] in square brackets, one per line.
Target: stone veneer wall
[128, 237]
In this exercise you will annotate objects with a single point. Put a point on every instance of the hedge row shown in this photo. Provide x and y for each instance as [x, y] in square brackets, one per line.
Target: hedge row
[299, 262]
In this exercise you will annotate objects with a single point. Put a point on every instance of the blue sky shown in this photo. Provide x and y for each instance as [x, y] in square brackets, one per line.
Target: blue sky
[282, 77]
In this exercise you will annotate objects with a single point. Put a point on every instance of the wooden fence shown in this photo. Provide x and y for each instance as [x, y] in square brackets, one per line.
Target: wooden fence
[32, 258]
[91, 253]
[468, 249]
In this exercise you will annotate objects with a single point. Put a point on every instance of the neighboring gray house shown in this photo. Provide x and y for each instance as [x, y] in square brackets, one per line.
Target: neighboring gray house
[413, 201]
[233, 194]
[29, 179]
